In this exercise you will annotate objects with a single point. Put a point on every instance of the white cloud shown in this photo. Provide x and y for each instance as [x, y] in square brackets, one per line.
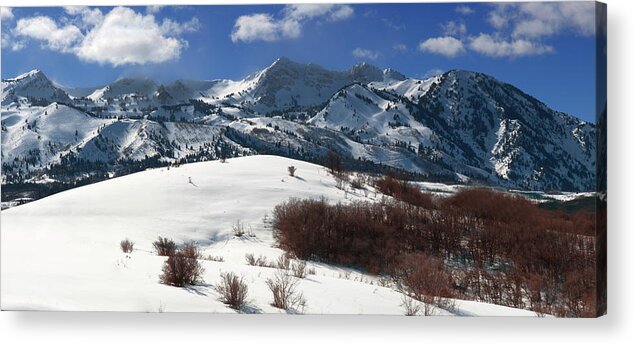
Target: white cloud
[463, 9]
[542, 19]
[342, 12]
[170, 27]
[89, 16]
[127, 37]
[6, 13]
[495, 47]
[153, 9]
[452, 28]
[308, 11]
[365, 54]
[447, 46]
[122, 36]
[400, 47]
[46, 29]
[265, 27]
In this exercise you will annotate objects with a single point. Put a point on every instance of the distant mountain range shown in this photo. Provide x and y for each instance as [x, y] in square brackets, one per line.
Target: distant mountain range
[459, 126]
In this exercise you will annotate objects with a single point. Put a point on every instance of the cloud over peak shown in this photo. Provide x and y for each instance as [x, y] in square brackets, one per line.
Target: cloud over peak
[265, 27]
[447, 46]
[119, 37]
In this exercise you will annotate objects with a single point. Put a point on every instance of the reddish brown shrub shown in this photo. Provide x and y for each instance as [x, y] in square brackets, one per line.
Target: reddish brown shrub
[182, 268]
[164, 246]
[285, 294]
[127, 246]
[233, 290]
[502, 248]
[404, 191]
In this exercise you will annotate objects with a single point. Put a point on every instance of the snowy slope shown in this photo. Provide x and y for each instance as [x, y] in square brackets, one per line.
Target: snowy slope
[62, 252]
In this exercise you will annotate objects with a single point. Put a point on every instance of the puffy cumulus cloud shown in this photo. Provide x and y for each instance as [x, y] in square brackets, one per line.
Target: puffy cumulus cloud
[496, 47]
[45, 29]
[452, 28]
[308, 11]
[531, 20]
[127, 37]
[6, 13]
[365, 54]
[447, 46]
[121, 36]
[266, 27]
[88, 16]
[263, 27]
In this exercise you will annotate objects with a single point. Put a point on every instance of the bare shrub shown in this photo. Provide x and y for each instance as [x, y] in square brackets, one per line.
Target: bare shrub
[299, 269]
[233, 290]
[216, 258]
[312, 271]
[259, 261]
[410, 305]
[285, 294]
[164, 246]
[292, 170]
[127, 246]
[404, 191]
[358, 182]
[191, 250]
[284, 262]
[499, 248]
[427, 280]
[238, 229]
[182, 268]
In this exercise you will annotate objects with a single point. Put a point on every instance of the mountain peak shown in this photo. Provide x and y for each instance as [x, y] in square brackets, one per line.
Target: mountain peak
[34, 73]
[365, 73]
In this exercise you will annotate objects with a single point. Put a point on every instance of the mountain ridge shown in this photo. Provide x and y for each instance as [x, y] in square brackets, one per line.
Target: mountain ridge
[457, 126]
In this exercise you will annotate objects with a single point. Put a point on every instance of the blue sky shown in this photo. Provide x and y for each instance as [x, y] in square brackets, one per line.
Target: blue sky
[545, 49]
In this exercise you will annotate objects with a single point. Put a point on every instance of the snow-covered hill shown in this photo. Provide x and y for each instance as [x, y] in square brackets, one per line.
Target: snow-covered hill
[62, 252]
[458, 126]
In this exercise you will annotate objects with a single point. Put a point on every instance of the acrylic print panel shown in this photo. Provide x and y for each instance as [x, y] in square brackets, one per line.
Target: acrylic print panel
[405, 159]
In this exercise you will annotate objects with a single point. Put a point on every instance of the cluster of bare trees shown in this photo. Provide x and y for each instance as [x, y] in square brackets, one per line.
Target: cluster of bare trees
[478, 244]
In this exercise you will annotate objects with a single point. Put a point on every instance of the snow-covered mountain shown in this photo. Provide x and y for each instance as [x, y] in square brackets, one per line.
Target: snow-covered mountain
[459, 126]
[33, 86]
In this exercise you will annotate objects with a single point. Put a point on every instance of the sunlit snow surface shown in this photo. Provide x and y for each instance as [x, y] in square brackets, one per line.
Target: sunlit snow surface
[62, 252]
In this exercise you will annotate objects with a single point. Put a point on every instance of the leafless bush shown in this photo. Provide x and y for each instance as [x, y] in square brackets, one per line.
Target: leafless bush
[410, 305]
[164, 246]
[216, 258]
[238, 229]
[233, 290]
[191, 250]
[127, 246]
[358, 182]
[259, 261]
[299, 269]
[285, 294]
[284, 262]
[291, 170]
[181, 269]
[311, 271]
